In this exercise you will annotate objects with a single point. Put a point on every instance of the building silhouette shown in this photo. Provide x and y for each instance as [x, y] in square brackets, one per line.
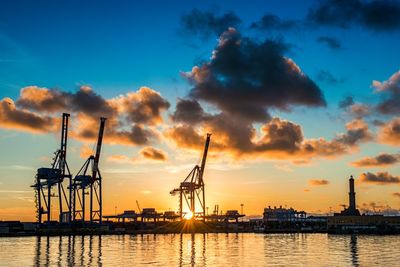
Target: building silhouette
[351, 210]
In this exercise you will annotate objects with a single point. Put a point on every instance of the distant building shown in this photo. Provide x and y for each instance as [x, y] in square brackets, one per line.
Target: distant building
[363, 222]
[352, 209]
[283, 215]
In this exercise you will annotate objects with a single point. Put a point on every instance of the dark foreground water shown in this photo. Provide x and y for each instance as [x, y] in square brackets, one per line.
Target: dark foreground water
[202, 250]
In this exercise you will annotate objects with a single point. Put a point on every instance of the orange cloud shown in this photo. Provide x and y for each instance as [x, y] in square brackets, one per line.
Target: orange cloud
[360, 110]
[383, 159]
[153, 154]
[13, 118]
[278, 139]
[318, 182]
[186, 136]
[390, 132]
[142, 106]
[380, 178]
[42, 99]
[130, 118]
[145, 155]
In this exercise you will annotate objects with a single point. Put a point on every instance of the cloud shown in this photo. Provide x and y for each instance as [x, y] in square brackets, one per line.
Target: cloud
[131, 118]
[382, 160]
[357, 131]
[21, 119]
[390, 90]
[318, 182]
[146, 155]
[392, 85]
[390, 132]
[346, 102]
[396, 194]
[277, 139]
[280, 135]
[382, 15]
[185, 136]
[360, 110]
[84, 100]
[205, 24]
[271, 22]
[244, 78]
[331, 42]
[136, 135]
[85, 151]
[188, 111]
[380, 178]
[42, 99]
[326, 76]
[143, 106]
[153, 154]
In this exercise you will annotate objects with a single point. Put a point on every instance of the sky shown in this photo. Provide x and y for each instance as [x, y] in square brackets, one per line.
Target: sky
[298, 96]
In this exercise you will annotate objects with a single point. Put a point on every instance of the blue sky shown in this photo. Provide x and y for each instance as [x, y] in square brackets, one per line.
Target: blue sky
[129, 44]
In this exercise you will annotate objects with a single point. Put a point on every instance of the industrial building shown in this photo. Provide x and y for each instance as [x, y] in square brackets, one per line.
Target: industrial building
[281, 215]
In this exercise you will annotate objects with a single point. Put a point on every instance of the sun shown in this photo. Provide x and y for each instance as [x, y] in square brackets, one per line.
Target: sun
[188, 215]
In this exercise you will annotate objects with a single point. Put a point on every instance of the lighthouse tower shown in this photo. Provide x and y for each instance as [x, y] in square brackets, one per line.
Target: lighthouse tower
[352, 209]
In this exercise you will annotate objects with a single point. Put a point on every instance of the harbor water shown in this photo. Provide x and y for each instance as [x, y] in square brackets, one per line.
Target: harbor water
[245, 249]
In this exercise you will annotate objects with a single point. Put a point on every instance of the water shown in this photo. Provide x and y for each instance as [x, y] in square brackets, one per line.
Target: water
[202, 250]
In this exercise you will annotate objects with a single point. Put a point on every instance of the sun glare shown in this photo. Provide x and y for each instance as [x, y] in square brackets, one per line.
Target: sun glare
[188, 215]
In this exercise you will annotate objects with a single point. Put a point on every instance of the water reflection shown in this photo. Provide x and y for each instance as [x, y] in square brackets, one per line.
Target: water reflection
[201, 250]
[354, 250]
[189, 244]
[68, 250]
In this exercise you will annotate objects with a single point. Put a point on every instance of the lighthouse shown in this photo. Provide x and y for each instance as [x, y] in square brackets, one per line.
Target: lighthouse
[352, 196]
[352, 208]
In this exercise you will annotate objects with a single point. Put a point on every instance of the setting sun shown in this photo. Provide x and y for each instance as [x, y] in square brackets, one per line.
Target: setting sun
[188, 215]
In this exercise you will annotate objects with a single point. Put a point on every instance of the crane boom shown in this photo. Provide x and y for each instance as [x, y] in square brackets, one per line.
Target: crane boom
[137, 203]
[63, 143]
[203, 161]
[98, 148]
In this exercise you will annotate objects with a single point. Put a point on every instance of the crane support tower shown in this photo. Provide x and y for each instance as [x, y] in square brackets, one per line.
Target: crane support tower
[48, 178]
[88, 181]
[192, 188]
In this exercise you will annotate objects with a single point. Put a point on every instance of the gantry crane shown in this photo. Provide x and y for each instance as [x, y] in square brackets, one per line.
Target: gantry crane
[90, 180]
[47, 178]
[192, 188]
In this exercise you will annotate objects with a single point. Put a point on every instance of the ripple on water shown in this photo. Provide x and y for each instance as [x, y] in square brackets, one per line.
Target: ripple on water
[201, 250]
